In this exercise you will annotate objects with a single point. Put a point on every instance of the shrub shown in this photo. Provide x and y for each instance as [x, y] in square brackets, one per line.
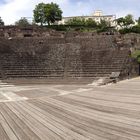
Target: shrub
[136, 55]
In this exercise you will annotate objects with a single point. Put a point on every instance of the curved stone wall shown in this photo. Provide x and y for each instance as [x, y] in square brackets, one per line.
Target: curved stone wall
[62, 57]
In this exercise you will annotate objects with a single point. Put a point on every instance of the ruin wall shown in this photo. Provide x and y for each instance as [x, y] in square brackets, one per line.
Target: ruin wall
[66, 55]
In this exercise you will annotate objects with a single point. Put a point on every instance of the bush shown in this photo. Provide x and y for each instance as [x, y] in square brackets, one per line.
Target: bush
[125, 31]
[22, 22]
[134, 29]
[76, 22]
[90, 23]
[136, 55]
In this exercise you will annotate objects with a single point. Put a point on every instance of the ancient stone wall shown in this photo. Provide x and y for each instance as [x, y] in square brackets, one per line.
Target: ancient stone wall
[30, 31]
[64, 56]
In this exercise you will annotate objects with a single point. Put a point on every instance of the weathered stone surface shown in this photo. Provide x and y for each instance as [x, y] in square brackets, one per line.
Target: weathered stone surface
[50, 54]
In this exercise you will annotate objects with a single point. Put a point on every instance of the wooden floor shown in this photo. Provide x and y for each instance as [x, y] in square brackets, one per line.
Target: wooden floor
[70, 112]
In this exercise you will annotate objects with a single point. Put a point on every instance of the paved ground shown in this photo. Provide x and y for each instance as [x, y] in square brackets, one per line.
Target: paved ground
[70, 112]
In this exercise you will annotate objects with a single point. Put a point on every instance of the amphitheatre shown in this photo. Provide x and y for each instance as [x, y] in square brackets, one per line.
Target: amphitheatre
[73, 85]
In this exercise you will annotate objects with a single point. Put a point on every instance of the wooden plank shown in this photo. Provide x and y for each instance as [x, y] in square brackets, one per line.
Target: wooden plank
[7, 128]
[72, 127]
[94, 128]
[59, 129]
[39, 129]
[3, 135]
[126, 131]
[130, 106]
[101, 107]
[124, 122]
[21, 124]
[16, 129]
[107, 113]
[115, 97]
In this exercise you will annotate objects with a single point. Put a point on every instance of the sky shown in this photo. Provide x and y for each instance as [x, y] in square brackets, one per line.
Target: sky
[13, 10]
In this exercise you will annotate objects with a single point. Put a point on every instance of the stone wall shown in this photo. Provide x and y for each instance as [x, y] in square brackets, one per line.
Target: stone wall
[30, 31]
[65, 56]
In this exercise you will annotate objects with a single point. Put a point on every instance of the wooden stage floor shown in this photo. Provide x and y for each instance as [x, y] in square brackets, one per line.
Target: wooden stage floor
[70, 112]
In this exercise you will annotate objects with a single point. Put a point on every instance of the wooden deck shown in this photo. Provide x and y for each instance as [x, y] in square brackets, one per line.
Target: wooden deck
[70, 112]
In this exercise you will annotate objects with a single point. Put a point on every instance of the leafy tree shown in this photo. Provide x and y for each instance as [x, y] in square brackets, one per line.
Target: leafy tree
[1, 22]
[104, 24]
[47, 13]
[128, 20]
[76, 21]
[120, 22]
[91, 22]
[22, 22]
[125, 22]
[138, 21]
[136, 29]
[40, 13]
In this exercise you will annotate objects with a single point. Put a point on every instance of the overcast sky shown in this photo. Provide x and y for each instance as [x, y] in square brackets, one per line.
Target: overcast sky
[12, 10]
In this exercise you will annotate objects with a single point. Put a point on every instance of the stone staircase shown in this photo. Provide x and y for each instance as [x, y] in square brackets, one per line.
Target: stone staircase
[92, 66]
[67, 58]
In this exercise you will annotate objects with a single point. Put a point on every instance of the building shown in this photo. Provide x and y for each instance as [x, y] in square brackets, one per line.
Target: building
[96, 16]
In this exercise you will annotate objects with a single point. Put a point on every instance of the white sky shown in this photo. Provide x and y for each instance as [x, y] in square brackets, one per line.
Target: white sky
[13, 10]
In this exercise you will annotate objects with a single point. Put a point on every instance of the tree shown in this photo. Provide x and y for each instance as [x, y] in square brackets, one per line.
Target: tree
[125, 22]
[104, 24]
[47, 13]
[39, 13]
[90, 22]
[22, 22]
[128, 20]
[138, 21]
[120, 22]
[1, 22]
[76, 21]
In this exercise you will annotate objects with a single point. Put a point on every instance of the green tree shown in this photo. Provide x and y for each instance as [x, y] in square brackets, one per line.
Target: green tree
[128, 20]
[104, 24]
[22, 22]
[125, 22]
[47, 13]
[90, 22]
[1, 22]
[40, 13]
[76, 21]
[138, 21]
[120, 22]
